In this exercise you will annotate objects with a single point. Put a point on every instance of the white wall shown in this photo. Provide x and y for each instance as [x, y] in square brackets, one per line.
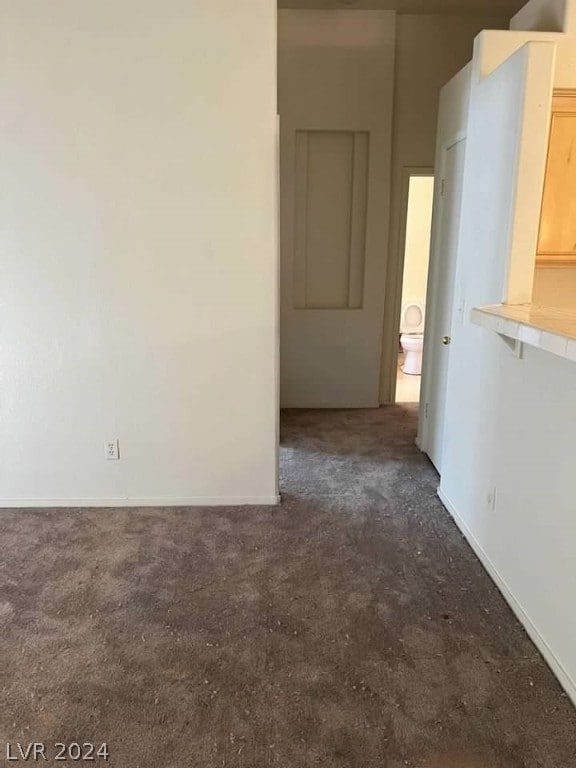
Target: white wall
[417, 244]
[544, 16]
[429, 51]
[139, 264]
[510, 422]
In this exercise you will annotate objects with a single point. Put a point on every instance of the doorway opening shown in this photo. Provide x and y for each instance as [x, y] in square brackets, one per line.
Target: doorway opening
[416, 244]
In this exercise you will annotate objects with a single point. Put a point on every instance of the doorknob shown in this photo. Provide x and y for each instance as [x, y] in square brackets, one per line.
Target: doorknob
[446, 340]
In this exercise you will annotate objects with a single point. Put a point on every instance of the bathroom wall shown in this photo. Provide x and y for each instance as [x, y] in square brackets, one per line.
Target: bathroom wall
[417, 247]
[138, 276]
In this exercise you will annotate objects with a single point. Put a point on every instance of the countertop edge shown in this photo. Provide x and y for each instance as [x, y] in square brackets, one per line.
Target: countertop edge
[533, 335]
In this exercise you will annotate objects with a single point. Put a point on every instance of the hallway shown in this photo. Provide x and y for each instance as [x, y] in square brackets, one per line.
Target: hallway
[352, 626]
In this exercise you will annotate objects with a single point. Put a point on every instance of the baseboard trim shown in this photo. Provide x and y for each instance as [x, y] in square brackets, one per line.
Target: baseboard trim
[160, 501]
[330, 406]
[567, 683]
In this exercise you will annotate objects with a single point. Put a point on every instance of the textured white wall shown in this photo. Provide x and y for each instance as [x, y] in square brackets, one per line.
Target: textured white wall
[510, 422]
[138, 237]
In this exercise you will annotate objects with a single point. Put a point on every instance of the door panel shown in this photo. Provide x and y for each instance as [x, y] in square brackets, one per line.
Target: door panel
[330, 222]
[335, 104]
[440, 327]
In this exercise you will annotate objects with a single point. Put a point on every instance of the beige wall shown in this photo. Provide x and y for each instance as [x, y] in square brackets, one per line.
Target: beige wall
[417, 244]
[430, 50]
[555, 287]
[139, 267]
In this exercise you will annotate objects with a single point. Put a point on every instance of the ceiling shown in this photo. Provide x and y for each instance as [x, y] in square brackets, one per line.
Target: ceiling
[445, 7]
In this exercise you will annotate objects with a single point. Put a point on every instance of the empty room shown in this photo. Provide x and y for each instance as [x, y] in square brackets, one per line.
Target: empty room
[288, 383]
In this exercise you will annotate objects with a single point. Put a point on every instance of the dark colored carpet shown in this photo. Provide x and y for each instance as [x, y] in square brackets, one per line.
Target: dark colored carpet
[352, 626]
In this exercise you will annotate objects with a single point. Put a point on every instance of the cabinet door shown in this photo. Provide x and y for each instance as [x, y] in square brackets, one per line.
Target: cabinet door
[557, 239]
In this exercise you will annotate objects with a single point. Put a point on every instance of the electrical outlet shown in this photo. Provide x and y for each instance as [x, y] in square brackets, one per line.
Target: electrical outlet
[111, 450]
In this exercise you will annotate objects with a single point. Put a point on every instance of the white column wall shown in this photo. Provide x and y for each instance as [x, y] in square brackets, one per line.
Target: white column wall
[138, 275]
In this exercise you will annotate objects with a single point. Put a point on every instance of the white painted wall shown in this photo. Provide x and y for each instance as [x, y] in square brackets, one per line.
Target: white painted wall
[544, 16]
[510, 422]
[429, 51]
[491, 48]
[417, 244]
[139, 259]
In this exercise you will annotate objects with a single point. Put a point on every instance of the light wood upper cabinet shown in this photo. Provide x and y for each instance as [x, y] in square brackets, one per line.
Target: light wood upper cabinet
[557, 238]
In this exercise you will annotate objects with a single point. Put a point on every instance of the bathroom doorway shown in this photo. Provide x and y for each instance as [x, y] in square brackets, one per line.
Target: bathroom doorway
[419, 192]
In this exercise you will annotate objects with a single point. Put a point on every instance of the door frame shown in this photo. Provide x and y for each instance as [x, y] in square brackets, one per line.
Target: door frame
[396, 267]
[433, 277]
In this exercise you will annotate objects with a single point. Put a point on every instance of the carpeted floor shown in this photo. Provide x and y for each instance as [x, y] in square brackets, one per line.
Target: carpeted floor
[350, 627]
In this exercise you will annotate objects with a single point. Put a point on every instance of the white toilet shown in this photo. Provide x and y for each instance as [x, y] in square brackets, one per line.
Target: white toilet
[412, 336]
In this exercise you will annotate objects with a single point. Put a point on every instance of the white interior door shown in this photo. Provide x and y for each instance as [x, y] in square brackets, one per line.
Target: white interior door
[335, 102]
[439, 326]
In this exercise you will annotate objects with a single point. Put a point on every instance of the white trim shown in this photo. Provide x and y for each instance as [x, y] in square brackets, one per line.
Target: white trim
[300, 406]
[567, 683]
[434, 276]
[160, 501]
[396, 274]
[277, 300]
